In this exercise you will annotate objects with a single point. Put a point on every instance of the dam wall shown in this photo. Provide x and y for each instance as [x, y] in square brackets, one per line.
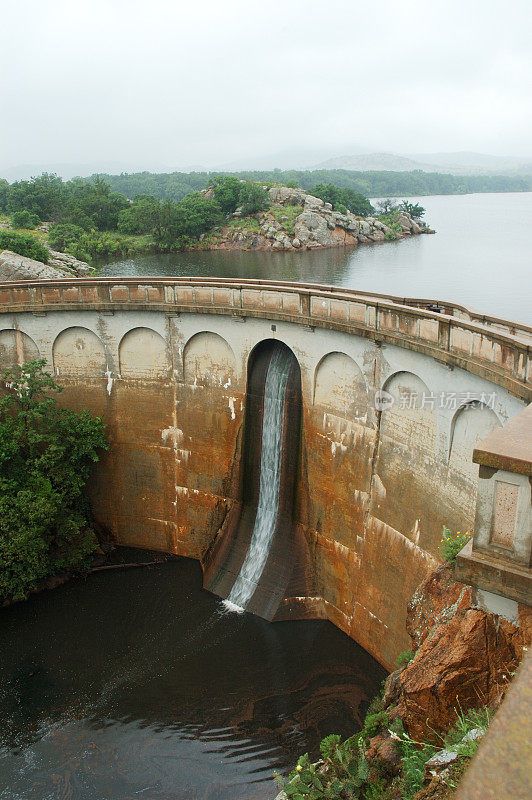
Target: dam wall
[394, 400]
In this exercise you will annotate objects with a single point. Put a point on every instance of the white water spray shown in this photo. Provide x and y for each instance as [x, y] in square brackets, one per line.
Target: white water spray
[269, 482]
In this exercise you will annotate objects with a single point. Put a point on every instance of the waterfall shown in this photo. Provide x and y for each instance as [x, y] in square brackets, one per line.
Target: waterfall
[269, 481]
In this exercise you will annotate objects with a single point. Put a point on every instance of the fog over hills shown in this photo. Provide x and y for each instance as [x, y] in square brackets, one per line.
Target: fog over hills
[459, 163]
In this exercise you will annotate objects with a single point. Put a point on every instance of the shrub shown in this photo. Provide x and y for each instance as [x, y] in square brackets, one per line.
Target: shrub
[46, 454]
[253, 198]
[227, 193]
[451, 543]
[64, 235]
[341, 198]
[24, 244]
[25, 219]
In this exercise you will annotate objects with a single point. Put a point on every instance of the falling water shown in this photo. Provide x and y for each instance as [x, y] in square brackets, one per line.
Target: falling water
[269, 482]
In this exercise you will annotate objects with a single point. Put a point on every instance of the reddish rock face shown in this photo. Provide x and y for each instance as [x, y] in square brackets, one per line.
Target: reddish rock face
[466, 657]
[435, 601]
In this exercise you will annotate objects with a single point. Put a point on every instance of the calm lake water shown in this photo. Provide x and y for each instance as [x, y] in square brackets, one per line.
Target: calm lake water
[481, 256]
[136, 683]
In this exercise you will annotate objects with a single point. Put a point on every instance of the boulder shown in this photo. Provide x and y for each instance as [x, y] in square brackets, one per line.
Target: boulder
[311, 202]
[58, 260]
[464, 662]
[286, 194]
[19, 268]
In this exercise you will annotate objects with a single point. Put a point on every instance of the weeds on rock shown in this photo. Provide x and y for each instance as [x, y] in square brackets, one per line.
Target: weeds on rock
[451, 543]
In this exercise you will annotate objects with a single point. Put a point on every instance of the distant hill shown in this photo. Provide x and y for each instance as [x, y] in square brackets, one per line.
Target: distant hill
[372, 162]
[462, 163]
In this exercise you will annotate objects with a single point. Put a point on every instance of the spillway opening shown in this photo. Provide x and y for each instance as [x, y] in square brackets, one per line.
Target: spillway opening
[257, 553]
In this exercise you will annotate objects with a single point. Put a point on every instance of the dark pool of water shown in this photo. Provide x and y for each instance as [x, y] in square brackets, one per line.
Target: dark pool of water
[480, 257]
[136, 683]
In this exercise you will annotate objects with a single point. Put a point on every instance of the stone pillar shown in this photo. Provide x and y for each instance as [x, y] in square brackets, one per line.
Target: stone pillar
[499, 558]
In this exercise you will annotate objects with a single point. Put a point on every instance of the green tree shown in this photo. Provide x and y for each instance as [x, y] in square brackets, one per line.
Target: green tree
[93, 200]
[25, 219]
[46, 455]
[64, 235]
[140, 217]
[253, 198]
[415, 210]
[175, 223]
[342, 197]
[227, 193]
[24, 244]
[4, 191]
[44, 196]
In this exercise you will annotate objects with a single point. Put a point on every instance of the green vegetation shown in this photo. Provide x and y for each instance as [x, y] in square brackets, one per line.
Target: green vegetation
[175, 185]
[25, 219]
[253, 198]
[404, 658]
[286, 216]
[250, 224]
[24, 244]
[344, 772]
[343, 199]
[415, 210]
[46, 454]
[90, 221]
[451, 543]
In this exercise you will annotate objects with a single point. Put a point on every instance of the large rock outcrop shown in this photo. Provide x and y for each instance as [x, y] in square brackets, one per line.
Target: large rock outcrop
[316, 225]
[14, 267]
[465, 656]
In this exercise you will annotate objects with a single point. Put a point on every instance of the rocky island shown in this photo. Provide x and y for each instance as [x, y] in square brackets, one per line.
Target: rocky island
[296, 220]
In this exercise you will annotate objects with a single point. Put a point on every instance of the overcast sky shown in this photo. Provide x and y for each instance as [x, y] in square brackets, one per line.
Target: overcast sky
[169, 84]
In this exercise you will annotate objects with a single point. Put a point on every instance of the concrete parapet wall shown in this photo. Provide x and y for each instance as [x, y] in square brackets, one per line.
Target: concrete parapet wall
[165, 363]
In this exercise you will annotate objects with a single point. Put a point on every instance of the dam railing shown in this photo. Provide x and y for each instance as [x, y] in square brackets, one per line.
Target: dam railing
[494, 348]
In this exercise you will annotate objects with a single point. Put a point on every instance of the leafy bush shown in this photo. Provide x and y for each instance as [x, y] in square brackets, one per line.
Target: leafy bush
[46, 454]
[343, 200]
[24, 244]
[340, 772]
[64, 235]
[391, 221]
[25, 219]
[227, 193]
[451, 543]
[140, 217]
[253, 198]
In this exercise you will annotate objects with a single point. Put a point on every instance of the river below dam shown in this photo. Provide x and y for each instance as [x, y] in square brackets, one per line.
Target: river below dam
[138, 683]
[480, 256]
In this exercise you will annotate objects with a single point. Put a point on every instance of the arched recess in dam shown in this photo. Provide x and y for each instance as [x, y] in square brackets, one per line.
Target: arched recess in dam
[16, 347]
[257, 558]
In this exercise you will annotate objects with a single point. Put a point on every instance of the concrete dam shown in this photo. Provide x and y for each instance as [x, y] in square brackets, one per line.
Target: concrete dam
[305, 443]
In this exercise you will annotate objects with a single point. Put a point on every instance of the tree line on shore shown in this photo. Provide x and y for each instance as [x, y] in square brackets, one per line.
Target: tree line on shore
[89, 220]
[113, 216]
[175, 185]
